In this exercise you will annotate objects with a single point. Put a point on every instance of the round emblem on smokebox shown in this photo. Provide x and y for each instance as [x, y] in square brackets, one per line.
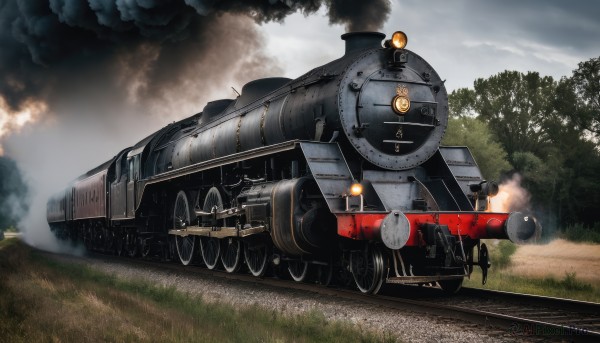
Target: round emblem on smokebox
[401, 102]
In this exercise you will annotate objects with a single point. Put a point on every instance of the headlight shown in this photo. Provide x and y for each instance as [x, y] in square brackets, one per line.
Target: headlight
[398, 40]
[356, 189]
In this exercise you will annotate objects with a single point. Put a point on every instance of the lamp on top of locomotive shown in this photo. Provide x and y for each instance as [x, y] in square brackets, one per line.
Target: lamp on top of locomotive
[398, 40]
[399, 56]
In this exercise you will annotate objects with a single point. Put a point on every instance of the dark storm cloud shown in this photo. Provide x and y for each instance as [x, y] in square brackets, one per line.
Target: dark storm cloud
[569, 24]
[50, 43]
[565, 24]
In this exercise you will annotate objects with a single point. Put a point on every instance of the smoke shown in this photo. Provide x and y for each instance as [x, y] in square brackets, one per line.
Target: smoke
[359, 15]
[511, 197]
[83, 79]
[151, 44]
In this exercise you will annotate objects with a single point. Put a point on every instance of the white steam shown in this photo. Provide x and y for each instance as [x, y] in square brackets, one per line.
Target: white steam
[511, 197]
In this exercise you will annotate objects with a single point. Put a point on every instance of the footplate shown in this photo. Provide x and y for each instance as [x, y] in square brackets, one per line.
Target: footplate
[219, 233]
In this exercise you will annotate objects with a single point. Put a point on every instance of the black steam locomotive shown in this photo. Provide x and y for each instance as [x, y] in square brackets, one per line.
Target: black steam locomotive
[339, 172]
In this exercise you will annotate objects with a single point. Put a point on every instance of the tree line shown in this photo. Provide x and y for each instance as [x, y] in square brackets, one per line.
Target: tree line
[14, 199]
[546, 130]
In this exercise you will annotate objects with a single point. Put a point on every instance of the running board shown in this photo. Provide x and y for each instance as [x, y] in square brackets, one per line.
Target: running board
[330, 170]
[422, 279]
[222, 232]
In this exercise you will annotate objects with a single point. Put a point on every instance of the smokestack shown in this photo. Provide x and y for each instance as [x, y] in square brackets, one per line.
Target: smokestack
[359, 41]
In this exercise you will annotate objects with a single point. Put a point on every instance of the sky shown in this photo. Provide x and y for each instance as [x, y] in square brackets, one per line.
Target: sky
[462, 39]
[84, 109]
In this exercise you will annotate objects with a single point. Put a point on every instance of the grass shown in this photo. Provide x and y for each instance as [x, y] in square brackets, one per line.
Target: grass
[567, 287]
[45, 300]
[499, 278]
[9, 229]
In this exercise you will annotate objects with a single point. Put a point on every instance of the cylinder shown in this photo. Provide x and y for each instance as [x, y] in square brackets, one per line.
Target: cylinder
[299, 226]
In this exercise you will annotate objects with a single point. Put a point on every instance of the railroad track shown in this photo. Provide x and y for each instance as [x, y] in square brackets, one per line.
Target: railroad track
[520, 314]
[507, 314]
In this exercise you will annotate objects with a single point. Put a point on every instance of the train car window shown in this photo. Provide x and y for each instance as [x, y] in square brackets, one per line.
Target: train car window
[123, 169]
[136, 167]
[131, 169]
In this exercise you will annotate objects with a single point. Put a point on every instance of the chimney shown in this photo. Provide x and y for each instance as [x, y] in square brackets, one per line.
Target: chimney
[359, 41]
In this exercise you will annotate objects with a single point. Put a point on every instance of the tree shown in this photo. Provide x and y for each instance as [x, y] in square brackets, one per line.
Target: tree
[475, 134]
[13, 194]
[515, 106]
[586, 81]
[540, 123]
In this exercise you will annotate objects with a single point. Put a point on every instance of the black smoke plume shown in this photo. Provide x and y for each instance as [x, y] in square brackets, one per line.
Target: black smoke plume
[13, 194]
[141, 49]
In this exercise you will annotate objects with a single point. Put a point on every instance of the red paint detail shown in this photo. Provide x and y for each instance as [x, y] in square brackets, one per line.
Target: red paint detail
[476, 225]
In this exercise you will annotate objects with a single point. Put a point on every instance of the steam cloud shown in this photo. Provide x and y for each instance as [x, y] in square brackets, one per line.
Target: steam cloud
[511, 197]
[95, 76]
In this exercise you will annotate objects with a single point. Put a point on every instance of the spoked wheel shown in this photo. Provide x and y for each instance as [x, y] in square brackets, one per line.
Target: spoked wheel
[367, 269]
[211, 247]
[231, 253]
[88, 238]
[451, 286]
[211, 251]
[324, 273]
[145, 247]
[256, 258]
[131, 244]
[119, 243]
[99, 239]
[298, 270]
[109, 240]
[186, 245]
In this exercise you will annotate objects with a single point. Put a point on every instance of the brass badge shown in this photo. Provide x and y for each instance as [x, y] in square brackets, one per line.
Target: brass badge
[401, 102]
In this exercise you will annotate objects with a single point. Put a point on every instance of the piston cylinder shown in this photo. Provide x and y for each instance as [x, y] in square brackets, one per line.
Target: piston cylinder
[300, 221]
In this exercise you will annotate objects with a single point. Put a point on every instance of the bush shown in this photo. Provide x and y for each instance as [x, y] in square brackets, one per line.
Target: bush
[569, 283]
[581, 233]
[501, 252]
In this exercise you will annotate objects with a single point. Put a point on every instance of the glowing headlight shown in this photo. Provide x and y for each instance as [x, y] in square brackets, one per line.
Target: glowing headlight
[356, 189]
[398, 40]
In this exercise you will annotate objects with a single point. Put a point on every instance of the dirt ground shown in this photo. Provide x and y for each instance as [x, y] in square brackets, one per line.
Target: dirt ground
[557, 258]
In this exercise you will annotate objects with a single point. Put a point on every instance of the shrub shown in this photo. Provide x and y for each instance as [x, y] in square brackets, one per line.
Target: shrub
[581, 233]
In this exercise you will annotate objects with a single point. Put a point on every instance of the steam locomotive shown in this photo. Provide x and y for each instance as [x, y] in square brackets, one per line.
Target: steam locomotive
[338, 173]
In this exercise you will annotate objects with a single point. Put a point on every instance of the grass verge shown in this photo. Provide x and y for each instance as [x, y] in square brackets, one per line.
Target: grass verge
[45, 300]
[499, 278]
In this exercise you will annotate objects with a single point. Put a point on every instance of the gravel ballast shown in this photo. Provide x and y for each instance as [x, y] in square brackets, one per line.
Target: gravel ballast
[405, 326]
